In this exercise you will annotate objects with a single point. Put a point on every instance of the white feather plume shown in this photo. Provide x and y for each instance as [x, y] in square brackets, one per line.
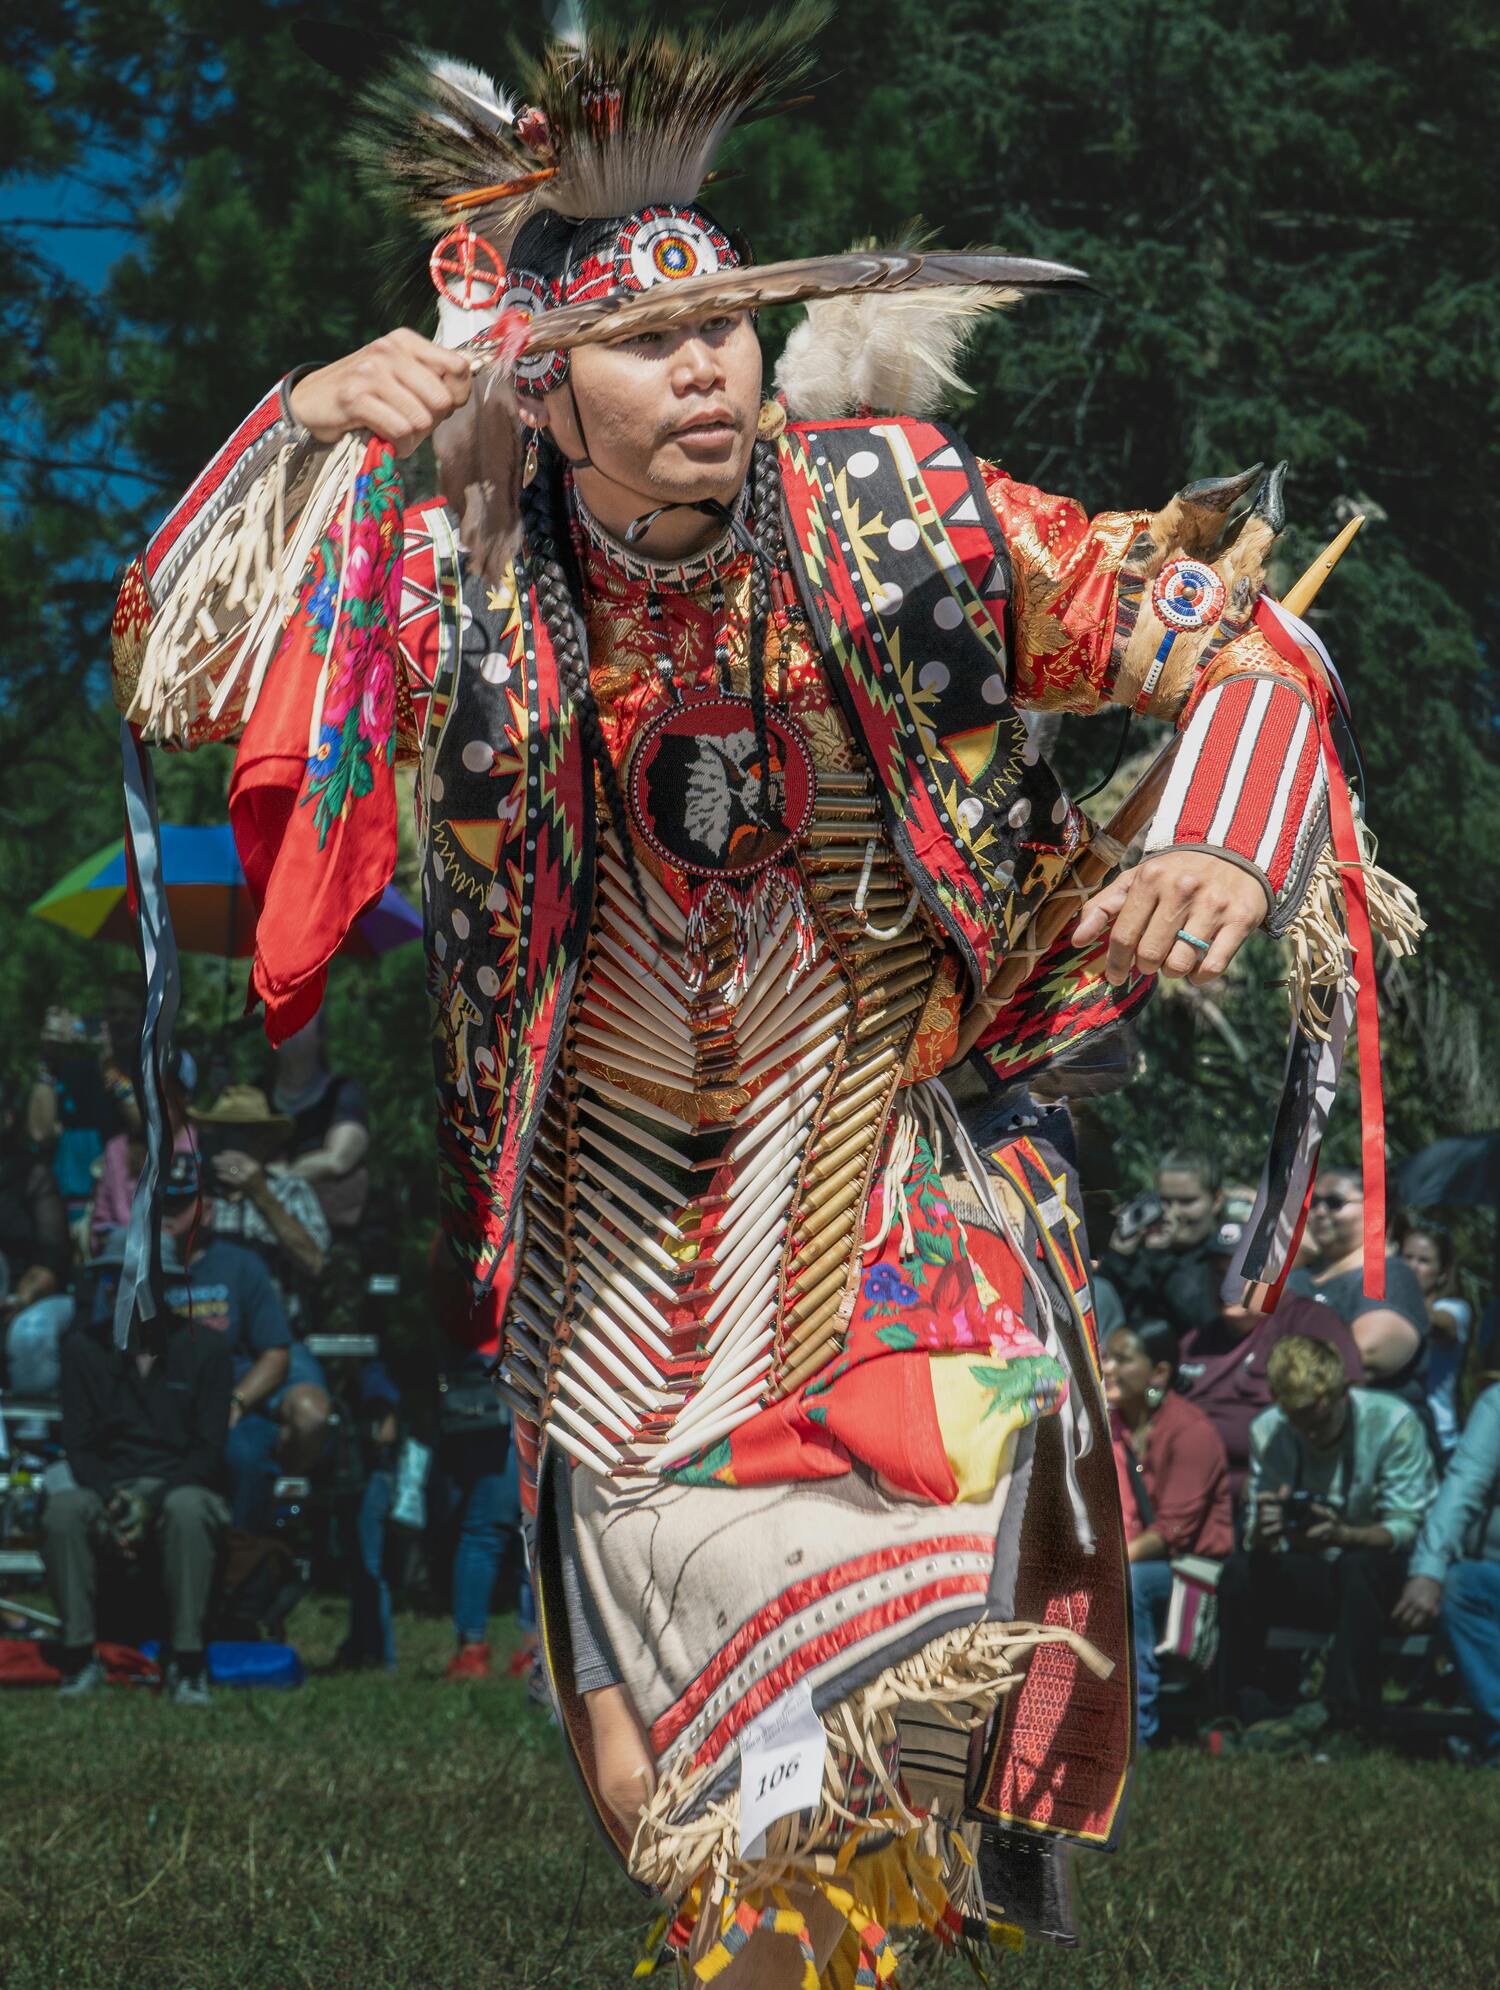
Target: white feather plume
[482, 92]
[888, 352]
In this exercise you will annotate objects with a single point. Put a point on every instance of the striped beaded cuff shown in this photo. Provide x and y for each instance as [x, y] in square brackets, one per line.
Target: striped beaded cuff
[1248, 784]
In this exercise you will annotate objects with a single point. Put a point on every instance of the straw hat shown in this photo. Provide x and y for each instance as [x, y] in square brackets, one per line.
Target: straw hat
[240, 1105]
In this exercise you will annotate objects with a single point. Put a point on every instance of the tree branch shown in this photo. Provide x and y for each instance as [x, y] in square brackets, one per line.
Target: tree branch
[52, 221]
[35, 462]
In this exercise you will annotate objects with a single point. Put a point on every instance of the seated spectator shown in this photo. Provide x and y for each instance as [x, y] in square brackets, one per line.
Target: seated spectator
[1340, 1481]
[329, 1147]
[82, 1097]
[1455, 1567]
[1222, 1369]
[125, 1153]
[1174, 1485]
[143, 1435]
[1175, 1279]
[260, 1199]
[34, 1244]
[1430, 1251]
[1390, 1333]
[279, 1407]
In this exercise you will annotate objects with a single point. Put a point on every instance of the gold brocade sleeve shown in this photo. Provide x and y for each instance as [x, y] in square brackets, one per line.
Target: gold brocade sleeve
[1087, 593]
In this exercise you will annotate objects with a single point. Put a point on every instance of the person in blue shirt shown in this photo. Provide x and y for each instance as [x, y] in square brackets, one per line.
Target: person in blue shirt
[1455, 1567]
[224, 1285]
[1340, 1482]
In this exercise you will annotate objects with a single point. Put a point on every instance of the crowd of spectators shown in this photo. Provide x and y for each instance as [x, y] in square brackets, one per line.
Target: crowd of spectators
[170, 1464]
[1308, 1468]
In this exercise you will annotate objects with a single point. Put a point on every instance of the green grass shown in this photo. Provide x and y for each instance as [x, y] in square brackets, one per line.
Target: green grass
[400, 1834]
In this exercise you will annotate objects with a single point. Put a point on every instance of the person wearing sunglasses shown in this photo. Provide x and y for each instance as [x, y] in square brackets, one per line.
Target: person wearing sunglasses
[1390, 1333]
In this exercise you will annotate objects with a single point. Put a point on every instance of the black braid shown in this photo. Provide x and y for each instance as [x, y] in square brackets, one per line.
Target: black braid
[765, 523]
[543, 522]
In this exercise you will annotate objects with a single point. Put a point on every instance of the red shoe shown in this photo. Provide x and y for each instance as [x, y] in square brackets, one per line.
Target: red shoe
[521, 1661]
[470, 1662]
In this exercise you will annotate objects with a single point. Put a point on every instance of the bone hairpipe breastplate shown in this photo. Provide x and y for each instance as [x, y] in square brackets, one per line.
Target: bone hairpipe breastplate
[693, 1211]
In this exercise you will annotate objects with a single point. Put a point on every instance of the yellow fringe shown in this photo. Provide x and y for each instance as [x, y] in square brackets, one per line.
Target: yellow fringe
[901, 1887]
[1319, 940]
[891, 1868]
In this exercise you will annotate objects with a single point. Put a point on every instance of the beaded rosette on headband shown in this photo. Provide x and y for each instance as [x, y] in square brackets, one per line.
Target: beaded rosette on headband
[557, 261]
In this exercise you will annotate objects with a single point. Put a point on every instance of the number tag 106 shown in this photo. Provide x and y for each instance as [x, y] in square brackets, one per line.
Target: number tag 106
[782, 1754]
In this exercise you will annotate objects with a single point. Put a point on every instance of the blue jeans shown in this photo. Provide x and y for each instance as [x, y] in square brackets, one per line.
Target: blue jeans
[371, 1631]
[250, 1449]
[1151, 1586]
[511, 1518]
[1471, 1617]
[250, 1454]
[471, 1487]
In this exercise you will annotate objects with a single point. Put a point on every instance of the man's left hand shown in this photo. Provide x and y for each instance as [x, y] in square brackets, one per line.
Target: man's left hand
[1418, 1604]
[1147, 908]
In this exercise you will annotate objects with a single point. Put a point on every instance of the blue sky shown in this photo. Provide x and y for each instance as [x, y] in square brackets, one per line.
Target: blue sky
[50, 216]
[43, 204]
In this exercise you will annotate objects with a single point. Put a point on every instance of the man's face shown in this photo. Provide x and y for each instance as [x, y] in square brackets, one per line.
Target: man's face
[1335, 1216]
[1192, 1209]
[179, 1218]
[669, 415]
[1320, 1422]
[261, 1142]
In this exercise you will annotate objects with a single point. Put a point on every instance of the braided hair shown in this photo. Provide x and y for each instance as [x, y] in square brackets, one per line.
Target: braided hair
[765, 525]
[557, 593]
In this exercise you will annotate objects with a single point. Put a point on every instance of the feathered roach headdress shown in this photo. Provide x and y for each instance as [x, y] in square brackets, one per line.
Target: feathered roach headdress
[575, 201]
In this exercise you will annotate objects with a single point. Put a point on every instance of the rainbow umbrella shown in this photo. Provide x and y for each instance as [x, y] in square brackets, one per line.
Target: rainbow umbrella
[212, 909]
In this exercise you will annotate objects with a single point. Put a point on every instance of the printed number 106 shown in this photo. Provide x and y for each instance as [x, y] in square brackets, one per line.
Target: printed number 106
[782, 1773]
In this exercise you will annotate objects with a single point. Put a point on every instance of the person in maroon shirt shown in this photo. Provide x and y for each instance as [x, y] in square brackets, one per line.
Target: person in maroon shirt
[1222, 1366]
[1174, 1485]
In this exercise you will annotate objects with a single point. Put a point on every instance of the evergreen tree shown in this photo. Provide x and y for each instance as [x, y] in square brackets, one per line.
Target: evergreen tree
[1293, 247]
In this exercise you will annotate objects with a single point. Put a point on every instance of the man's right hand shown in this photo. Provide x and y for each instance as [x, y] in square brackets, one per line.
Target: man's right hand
[399, 387]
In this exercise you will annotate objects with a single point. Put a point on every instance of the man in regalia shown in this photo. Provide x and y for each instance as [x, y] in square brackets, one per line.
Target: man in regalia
[736, 844]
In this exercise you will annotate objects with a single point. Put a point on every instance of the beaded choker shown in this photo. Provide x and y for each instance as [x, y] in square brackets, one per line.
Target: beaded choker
[676, 576]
